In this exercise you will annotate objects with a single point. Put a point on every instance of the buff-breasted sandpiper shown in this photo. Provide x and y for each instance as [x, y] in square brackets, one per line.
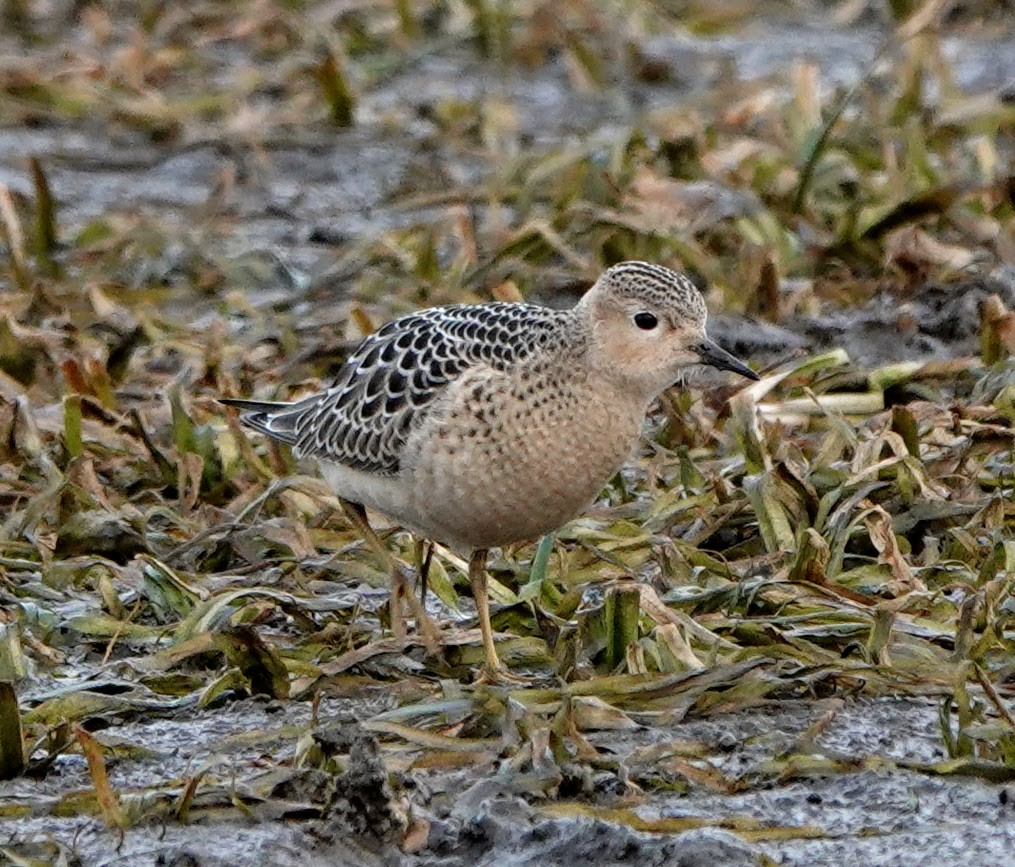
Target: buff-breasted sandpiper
[486, 424]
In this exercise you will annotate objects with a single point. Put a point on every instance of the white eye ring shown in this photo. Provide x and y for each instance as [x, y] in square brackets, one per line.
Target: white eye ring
[645, 320]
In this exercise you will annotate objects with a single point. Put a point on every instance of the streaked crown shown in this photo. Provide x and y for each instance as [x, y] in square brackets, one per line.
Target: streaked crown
[664, 289]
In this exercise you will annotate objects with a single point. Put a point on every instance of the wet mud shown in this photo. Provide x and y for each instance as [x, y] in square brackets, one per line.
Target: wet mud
[871, 809]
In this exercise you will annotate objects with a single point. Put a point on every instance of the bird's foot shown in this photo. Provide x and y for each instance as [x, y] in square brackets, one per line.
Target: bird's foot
[500, 675]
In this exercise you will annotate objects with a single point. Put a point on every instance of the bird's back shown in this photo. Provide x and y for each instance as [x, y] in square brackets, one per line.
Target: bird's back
[391, 380]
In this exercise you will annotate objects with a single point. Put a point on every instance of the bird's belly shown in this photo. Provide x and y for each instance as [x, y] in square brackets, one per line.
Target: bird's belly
[383, 493]
[492, 504]
[478, 481]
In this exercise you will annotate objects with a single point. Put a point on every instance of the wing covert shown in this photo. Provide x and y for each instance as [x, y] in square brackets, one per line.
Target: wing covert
[386, 386]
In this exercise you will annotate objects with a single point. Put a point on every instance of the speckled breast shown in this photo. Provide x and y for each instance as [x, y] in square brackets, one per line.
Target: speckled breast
[505, 459]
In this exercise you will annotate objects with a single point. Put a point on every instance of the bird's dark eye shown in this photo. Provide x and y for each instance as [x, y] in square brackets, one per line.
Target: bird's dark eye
[646, 321]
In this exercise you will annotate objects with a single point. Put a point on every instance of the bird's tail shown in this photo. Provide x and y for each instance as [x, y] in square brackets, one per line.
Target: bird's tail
[273, 418]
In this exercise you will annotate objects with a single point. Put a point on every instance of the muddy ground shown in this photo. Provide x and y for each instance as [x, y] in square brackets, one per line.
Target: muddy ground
[870, 810]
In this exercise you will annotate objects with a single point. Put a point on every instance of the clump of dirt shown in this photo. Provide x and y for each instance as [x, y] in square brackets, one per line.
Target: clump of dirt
[509, 831]
[362, 804]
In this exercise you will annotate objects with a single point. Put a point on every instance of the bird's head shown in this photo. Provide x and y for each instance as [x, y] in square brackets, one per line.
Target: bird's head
[648, 325]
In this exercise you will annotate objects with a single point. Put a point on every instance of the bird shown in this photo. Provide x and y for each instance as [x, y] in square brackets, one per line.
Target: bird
[482, 425]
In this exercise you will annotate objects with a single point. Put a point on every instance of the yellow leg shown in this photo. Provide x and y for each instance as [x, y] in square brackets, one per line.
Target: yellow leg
[477, 577]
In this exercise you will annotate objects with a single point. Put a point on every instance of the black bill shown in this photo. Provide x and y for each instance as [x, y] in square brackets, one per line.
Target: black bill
[714, 355]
